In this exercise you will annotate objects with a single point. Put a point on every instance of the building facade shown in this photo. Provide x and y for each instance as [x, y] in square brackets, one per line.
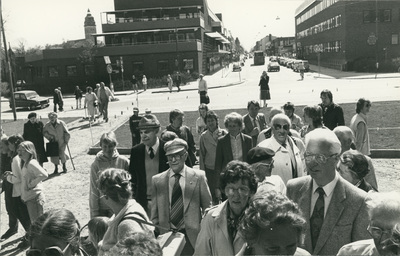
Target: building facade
[349, 34]
[282, 46]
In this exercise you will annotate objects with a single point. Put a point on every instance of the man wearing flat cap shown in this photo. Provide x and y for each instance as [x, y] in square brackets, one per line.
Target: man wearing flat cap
[180, 195]
[147, 159]
[262, 163]
[133, 126]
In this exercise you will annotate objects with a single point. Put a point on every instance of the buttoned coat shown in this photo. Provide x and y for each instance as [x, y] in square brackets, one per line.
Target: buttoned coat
[196, 198]
[224, 150]
[282, 162]
[249, 126]
[214, 237]
[137, 169]
[346, 219]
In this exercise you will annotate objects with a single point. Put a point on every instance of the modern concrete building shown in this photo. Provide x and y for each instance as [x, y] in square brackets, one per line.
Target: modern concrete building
[349, 34]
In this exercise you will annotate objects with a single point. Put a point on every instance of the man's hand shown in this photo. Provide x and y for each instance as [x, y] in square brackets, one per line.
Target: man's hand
[254, 132]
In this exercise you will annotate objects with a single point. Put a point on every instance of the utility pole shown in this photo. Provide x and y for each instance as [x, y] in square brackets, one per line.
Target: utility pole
[8, 63]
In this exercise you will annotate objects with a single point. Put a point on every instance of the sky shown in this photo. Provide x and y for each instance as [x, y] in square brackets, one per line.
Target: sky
[41, 22]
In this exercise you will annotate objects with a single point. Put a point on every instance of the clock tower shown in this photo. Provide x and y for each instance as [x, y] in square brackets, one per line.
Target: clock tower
[90, 26]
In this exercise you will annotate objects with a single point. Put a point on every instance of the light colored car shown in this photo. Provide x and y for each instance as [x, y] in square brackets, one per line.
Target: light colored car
[29, 99]
[301, 64]
[236, 67]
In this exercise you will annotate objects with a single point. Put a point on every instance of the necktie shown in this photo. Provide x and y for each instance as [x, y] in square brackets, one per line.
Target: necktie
[176, 216]
[151, 152]
[254, 122]
[317, 218]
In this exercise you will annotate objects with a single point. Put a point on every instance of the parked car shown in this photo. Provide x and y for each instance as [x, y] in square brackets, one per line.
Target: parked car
[273, 66]
[29, 99]
[236, 67]
[298, 64]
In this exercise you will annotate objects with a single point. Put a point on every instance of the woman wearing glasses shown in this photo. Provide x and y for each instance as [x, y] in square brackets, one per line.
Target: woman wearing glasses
[219, 228]
[384, 227]
[55, 233]
[359, 126]
[353, 167]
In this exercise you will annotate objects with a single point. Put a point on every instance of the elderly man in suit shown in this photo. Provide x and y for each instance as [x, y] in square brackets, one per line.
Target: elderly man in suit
[180, 195]
[335, 210]
[254, 122]
[346, 137]
[147, 159]
[288, 163]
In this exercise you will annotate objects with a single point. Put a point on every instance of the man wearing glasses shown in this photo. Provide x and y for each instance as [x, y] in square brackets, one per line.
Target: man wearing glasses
[384, 227]
[180, 195]
[288, 162]
[334, 209]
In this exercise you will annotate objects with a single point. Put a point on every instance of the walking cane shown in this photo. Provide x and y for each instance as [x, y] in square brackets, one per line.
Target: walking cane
[72, 162]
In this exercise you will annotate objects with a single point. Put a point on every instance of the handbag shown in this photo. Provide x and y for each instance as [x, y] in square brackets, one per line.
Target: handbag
[52, 148]
[206, 99]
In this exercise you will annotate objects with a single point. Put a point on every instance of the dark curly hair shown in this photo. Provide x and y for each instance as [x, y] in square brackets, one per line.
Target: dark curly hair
[60, 224]
[315, 113]
[115, 183]
[356, 162]
[270, 209]
[236, 170]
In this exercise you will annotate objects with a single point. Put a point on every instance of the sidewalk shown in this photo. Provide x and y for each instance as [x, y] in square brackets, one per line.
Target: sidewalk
[328, 73]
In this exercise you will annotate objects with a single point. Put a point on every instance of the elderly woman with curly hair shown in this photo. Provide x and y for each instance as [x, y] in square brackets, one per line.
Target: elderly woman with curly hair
[219, 228]
[353, 167]
[313, 119]
[115, 186]
[272, 225]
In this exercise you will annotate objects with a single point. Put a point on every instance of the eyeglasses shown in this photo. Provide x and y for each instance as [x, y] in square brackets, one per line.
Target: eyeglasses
[51, 251]
[176, 156]
[319, 158]
[279, 126]
[243, 191]
[377, 233]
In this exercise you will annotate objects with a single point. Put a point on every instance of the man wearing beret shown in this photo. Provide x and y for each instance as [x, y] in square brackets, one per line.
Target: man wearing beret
[180, 195]
[147, 159]
[262, 163]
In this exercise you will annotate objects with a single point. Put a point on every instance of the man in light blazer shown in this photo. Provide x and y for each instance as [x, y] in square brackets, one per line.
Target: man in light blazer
[194, 192]
[254, 122]
[344, 218]
[288, 159]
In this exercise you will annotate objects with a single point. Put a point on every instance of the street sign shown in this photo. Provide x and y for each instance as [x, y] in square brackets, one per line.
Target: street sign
[372, 39]
[317, 48]
[107, 59]
[109, 69]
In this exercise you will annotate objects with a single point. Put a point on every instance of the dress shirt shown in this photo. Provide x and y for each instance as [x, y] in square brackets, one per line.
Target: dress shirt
[328, 189]
[203, 85]
[154, 147]
[236, 144]
[172, 182]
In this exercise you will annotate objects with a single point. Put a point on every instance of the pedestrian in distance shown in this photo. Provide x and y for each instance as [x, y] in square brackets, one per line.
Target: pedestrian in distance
[170, 82]
[134, 84]
[144, 82]
[203, 90]
[264, 88]
[133, 126]
[56, 130]
[90, 103]
[61, 99]
[56, 100]
[301, 70]
[78, 97]
[358, 125]
[200, 122]
[104, 95]
[33, 131]
[332, 112]
[178, 80]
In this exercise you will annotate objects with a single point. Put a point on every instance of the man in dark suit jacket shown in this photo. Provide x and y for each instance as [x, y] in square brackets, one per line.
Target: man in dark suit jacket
[194, 195]
[147, 159]
[254, 122]
[336, 214]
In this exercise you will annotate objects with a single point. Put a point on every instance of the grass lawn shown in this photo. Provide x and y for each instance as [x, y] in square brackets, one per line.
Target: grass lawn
[383, 123]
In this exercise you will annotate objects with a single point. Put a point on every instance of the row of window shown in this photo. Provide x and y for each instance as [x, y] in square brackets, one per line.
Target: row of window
[149, 38]
[334, 46]
[323, 26]
[316, 9]
[371, 16]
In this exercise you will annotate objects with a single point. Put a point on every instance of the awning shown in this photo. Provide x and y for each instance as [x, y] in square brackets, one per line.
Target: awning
[141, 31]
[218, 36]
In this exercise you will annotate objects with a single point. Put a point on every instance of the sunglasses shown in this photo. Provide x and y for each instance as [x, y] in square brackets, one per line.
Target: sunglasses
[50, 251]
[279, 126]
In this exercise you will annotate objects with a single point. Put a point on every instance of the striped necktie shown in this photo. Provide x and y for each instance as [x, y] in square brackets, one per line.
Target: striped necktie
[176, 215]
[317, 218]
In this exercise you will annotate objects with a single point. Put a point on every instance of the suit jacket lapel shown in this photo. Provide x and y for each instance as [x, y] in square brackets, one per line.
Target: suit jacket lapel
[164, 186]
[222, 222]
[305, 204]
[333, 214]
[228, 141]
[190, 184]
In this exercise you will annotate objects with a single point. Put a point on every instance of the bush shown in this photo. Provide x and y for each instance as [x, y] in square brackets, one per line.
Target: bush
[5, 90]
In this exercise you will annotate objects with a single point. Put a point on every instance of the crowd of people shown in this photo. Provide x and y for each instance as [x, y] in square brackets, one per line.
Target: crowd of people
[280, 185]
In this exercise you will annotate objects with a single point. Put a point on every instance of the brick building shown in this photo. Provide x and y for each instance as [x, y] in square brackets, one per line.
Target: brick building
[349, 34]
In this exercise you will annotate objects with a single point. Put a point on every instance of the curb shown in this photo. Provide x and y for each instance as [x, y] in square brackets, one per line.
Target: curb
[195, 89]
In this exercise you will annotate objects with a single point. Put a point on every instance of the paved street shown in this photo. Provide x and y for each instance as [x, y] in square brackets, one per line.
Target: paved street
[233, 90]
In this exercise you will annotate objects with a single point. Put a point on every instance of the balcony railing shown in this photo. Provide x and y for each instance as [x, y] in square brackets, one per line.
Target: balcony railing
[154, 42]
[141, 19]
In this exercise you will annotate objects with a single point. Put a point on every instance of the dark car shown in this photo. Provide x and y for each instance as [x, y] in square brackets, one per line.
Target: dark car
[30, 100]
[274, 66]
